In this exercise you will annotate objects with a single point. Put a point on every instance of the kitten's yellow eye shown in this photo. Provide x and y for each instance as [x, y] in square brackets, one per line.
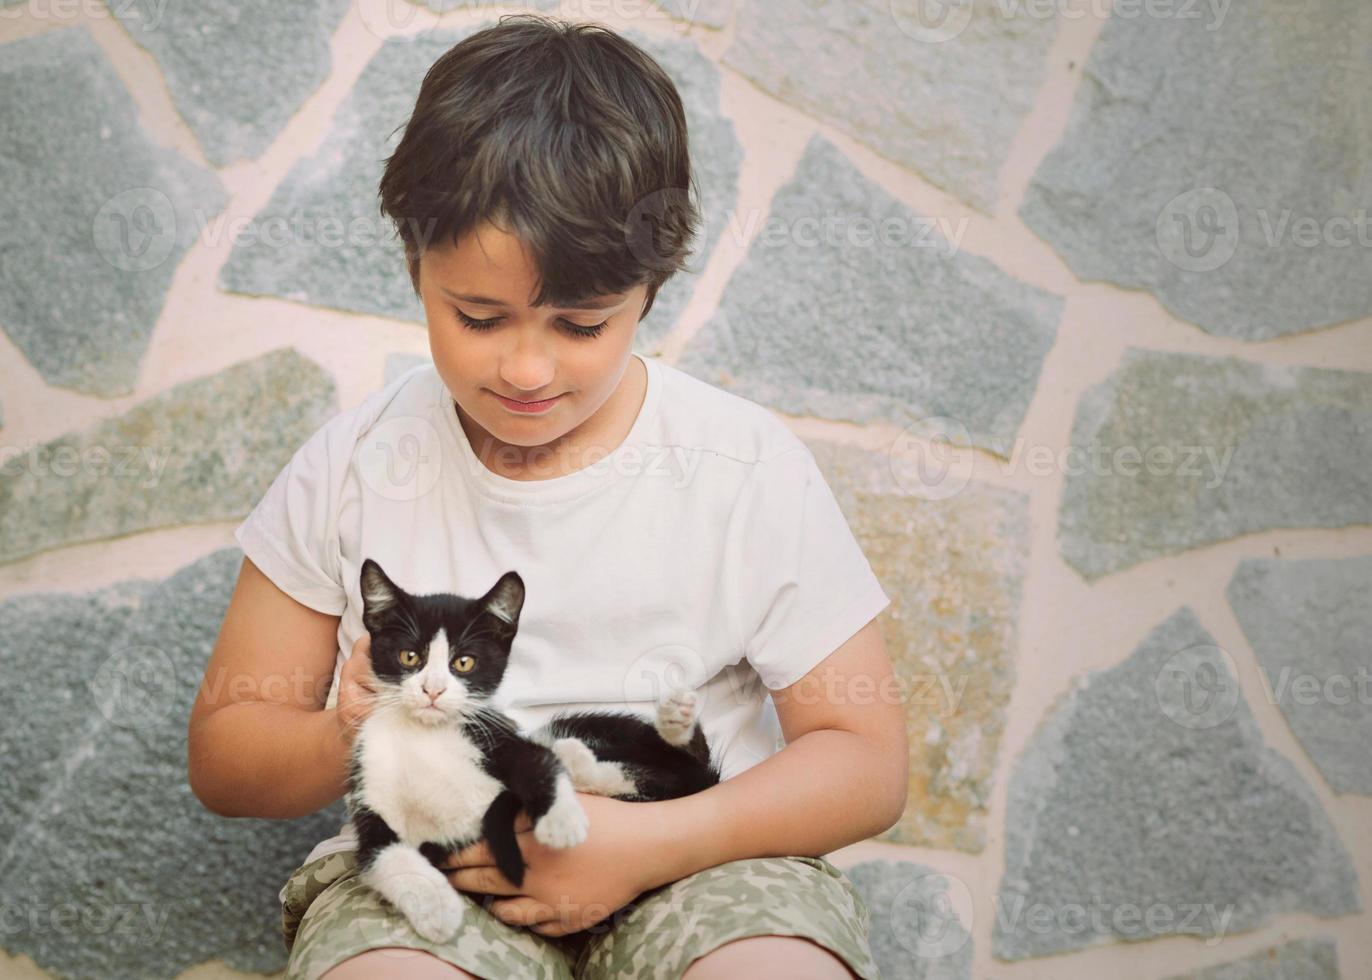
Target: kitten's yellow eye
[464, 664]
[408, 658]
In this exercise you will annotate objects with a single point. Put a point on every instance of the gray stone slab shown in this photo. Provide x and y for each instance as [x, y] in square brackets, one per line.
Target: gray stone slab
[1146, 804]
[1312, 958]
[1310, 625]
[321, 239]
[916, 930]
[236, 71]
[894, 327]
[204, 450]
[94, 217]
[715, 159]
[952, 628]
[1219, 164]
[110, 866]
[1175, 451]
[447, 6]
[346, 256]
[710, 13]
[944, 100]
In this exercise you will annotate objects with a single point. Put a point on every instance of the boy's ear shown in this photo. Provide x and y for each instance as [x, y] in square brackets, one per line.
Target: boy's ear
[413, 262]
[379, 594]
[506, 598]
[648, 301]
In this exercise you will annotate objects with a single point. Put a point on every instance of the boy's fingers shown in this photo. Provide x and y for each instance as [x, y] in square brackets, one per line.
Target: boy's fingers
[474, 855]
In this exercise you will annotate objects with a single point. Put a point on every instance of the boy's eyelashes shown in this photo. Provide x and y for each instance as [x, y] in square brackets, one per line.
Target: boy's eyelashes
[575, 329]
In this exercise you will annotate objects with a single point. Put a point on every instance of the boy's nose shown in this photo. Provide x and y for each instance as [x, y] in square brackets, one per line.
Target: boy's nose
[527, 371]
[528, 385]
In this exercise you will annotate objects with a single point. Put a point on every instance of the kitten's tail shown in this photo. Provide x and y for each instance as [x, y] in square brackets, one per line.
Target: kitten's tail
[497, 826]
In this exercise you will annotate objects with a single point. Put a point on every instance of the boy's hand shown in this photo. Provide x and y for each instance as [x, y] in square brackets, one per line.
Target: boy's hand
[356, 689]
[569, 889]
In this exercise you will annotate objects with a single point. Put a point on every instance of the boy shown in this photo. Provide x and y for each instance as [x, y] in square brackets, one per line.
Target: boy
[667, 533]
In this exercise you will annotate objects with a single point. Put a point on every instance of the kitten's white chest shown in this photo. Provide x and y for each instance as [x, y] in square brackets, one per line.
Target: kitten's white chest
[427, 784]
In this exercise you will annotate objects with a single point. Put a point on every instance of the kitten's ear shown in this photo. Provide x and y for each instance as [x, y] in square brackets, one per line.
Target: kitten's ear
[506, 598]
[379, 593]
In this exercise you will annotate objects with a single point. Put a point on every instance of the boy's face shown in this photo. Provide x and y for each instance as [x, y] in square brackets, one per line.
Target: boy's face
[524, 352]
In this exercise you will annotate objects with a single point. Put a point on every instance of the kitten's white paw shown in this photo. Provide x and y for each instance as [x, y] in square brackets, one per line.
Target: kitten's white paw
[676, 716]
[588, 774]
[578, 758]
[419, 891]
[436, 918]
[565, 824]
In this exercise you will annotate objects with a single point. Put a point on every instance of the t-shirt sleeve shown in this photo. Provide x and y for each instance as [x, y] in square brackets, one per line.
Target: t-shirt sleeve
[806, 586]
[292, 533]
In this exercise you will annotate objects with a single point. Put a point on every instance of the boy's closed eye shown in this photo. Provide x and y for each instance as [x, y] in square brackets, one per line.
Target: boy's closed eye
[575, 329]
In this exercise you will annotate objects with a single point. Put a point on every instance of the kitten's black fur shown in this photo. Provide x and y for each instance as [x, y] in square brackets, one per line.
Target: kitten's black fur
[480, 771]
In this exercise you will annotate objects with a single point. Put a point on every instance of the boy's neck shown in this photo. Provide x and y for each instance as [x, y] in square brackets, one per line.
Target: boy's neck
[603, 432]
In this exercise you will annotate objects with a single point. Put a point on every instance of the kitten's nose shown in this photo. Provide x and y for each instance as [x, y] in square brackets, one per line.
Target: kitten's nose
[433, 695]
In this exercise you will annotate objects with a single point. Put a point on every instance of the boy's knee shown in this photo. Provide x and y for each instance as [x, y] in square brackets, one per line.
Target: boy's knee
[783, 956]
[391, 961]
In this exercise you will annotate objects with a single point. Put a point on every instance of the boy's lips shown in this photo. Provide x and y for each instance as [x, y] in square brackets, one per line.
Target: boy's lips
[527, 407]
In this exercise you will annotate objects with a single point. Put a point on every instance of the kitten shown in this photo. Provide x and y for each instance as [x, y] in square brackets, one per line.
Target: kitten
[433, 756]
[447, 774]
[620, 755]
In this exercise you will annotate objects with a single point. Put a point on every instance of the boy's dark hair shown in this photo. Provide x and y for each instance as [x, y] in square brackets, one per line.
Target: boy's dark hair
[569, 137]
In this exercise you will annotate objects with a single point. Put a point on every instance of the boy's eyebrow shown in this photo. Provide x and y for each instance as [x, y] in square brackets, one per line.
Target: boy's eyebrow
[585, 304]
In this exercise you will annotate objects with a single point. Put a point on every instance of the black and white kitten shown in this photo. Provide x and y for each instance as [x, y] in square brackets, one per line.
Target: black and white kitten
[435, 767]
[433, 756]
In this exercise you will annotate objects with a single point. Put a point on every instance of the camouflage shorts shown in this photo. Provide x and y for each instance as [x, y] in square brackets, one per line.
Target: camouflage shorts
[328, 915]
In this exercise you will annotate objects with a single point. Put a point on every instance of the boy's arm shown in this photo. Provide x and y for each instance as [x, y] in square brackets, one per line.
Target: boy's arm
[842, 777]
[260, 742]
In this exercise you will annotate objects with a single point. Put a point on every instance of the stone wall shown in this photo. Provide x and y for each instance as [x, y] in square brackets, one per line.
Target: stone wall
[1072, 300]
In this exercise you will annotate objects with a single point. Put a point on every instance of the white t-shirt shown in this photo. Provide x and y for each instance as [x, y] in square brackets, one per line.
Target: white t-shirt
[706, 550]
